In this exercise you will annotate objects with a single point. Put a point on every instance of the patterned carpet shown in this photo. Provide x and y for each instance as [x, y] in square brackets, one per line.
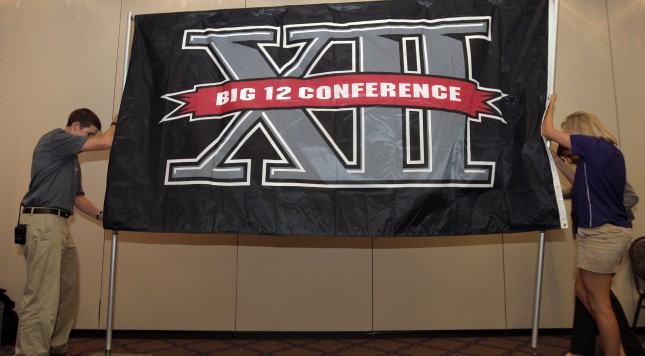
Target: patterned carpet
[428, 345]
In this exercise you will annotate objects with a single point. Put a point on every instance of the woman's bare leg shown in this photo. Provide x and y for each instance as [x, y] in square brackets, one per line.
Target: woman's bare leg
[596, 288]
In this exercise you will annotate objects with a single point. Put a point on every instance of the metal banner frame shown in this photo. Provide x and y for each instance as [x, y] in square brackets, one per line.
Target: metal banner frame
[541, 244]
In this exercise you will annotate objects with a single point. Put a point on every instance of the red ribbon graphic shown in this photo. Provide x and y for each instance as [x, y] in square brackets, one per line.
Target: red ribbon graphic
[351, 90]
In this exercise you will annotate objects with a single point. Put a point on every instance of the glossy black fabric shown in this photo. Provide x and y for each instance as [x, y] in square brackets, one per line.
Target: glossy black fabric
[513, 61]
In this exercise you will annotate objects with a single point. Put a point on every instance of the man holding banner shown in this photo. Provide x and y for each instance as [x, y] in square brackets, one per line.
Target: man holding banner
[50, 299]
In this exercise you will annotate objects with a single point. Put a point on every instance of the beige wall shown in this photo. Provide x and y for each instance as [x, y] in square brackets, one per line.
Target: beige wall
[60, 55]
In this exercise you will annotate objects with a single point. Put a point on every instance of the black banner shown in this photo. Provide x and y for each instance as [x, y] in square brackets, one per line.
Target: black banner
[397, 118]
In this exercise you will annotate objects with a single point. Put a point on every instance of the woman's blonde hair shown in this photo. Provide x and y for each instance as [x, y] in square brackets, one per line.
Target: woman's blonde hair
[585, 123]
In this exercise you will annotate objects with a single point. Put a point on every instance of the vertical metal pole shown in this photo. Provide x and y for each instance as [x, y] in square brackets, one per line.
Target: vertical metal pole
[538, 294]
[115, 234]
[110, 311]
[126, 55]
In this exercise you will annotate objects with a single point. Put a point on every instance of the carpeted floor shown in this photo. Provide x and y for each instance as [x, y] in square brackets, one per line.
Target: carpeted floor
[161, 345]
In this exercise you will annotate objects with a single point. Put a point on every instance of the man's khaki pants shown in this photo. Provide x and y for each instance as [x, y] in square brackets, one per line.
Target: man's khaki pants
[49, 303]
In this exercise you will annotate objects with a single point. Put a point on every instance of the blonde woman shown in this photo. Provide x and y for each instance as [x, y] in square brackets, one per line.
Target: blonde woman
[604, 232]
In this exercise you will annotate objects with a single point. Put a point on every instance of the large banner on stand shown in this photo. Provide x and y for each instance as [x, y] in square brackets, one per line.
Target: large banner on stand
[395, 118]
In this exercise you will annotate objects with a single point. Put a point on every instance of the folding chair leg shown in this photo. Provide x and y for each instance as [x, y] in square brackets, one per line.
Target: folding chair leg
[639, 306]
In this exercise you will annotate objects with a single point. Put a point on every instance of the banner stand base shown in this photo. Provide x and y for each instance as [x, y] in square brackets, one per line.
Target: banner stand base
[108, 353]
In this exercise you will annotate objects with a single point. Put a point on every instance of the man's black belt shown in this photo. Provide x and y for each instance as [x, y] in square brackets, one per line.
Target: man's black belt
[53, 211]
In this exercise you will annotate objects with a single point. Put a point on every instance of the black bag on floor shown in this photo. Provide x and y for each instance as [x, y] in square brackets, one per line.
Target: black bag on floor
[9, 320]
